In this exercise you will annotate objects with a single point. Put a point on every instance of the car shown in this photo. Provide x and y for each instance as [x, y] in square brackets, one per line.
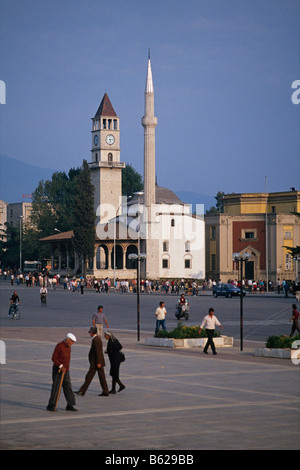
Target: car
[229, 290]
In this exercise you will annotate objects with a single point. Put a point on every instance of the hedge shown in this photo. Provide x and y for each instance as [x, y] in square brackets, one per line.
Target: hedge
[183, 332]
[283, 342]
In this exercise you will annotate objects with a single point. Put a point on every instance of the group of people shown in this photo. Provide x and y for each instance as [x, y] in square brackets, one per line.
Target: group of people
[61, 363]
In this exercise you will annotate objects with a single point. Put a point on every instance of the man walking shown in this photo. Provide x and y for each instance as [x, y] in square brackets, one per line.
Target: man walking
[97, 363]
[98, 319]
[160, 314]
[209, 322]
[61, 363]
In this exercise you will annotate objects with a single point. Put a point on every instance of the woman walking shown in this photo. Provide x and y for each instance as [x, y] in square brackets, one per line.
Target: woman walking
[113, 350]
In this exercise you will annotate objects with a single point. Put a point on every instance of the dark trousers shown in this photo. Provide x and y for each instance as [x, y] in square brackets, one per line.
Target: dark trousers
[66, 386]
[89, 377]
[210, 342]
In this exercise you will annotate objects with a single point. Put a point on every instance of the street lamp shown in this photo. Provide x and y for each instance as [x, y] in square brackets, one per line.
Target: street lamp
[138, 257]
[21, 217]
[238, 258]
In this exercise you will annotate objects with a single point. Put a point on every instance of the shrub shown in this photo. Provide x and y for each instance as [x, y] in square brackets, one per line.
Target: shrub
[183, 332]
[283, 342]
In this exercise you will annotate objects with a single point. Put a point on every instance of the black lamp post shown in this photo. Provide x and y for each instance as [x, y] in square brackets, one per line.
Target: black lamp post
[138, 257]
[238, 258]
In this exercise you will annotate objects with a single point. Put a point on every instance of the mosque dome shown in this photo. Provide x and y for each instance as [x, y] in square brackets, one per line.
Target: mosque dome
[162, 196]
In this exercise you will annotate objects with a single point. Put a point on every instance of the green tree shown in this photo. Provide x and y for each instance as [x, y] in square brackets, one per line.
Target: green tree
[131, 181]
[84, 216]
[10, 246]
[219, 207]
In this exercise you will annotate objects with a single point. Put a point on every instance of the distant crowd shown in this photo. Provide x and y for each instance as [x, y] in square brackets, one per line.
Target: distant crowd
[189, 286]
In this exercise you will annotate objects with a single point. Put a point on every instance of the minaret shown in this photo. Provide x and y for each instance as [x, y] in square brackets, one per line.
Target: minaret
[149, 268]
[149, 123]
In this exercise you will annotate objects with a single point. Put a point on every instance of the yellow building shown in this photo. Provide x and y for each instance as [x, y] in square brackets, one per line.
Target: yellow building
[261, 224]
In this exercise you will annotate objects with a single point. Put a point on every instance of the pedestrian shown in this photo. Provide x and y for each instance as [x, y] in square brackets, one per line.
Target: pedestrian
[160, 314]
[97, 320]
[97, 364]
[295, 320]
[82, 283]
[113, 349]
[43, 294]
[61, 363]
[209, 322]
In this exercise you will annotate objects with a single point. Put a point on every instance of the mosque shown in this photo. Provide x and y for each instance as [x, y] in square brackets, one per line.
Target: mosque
[154, 225]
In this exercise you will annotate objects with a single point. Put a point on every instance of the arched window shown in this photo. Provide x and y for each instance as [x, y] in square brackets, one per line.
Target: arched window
[110, 157]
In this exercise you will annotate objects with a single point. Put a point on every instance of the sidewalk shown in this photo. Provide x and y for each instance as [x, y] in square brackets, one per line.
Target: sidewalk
[174, 399]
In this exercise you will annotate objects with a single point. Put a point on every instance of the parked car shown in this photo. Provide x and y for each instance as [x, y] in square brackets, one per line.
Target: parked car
[229, 290]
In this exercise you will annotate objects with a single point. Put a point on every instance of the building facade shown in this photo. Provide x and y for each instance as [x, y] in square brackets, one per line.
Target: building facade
[260, 224]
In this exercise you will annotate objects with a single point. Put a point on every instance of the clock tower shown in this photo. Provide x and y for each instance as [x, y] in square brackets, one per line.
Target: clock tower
[106, 168]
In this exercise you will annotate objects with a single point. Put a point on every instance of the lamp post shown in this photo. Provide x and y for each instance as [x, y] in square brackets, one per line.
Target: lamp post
[238, 258]
[138, 257]
[21, 217]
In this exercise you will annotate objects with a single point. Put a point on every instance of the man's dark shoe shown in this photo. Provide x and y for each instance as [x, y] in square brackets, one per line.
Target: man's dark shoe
[121, 388]
[50, 408]
[79, 393]
[104, 394]
[71, 408]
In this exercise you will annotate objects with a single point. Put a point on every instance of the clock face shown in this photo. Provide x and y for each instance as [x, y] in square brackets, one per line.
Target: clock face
[96, 140]
[110, 139]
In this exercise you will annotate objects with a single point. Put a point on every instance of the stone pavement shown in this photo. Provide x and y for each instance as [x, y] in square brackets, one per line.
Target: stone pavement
[174, 399]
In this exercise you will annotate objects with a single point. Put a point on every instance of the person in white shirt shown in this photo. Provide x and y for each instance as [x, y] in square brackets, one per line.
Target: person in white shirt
[209, 322]
[160, 314]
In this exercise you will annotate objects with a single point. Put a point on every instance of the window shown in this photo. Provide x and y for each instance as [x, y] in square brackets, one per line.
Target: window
[172, 222]
[165, 246]
[115, 125]
[213, 262]
[104, 124]
[110, 157]
[249, 235]
[213, 233]
[165, 263]
[187, 263]
[288, 235]
[187, 247]
[288, 262]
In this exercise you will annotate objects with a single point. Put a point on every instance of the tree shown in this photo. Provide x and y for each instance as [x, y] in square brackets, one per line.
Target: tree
[219, 207]
[84, 216]
[131, 181]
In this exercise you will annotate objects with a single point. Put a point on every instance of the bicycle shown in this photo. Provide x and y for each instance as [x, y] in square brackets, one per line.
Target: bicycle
[15, 311]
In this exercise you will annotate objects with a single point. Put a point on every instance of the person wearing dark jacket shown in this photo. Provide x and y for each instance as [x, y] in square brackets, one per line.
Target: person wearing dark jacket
[113, 350]
[97, 364]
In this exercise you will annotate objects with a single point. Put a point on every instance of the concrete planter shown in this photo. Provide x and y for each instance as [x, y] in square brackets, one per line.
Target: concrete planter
[222, 341]
[274, 352]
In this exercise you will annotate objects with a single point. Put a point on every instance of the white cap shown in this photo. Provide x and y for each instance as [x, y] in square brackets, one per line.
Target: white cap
[72, 337]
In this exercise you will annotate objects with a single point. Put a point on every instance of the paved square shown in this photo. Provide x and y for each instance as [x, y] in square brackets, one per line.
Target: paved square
[174, 399]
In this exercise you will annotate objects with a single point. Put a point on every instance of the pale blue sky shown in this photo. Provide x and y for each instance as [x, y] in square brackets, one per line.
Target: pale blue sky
[222, 72]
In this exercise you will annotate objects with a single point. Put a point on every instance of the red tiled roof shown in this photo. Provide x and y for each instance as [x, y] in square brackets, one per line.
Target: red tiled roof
[59, 236]
[105, 108]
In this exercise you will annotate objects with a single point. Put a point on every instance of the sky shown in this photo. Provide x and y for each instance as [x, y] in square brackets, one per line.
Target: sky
[222, 70]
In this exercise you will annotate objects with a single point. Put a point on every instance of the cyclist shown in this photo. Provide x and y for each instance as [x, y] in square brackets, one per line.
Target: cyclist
[13, 300]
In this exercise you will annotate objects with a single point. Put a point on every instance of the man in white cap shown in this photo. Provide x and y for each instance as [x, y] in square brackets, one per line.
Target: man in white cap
[61, 363]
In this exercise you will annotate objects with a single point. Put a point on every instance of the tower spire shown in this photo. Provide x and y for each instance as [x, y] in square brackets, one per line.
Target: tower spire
[149, 122]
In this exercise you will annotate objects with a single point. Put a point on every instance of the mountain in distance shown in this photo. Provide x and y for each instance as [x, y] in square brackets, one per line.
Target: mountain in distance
[19, 179]
[193, 198]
